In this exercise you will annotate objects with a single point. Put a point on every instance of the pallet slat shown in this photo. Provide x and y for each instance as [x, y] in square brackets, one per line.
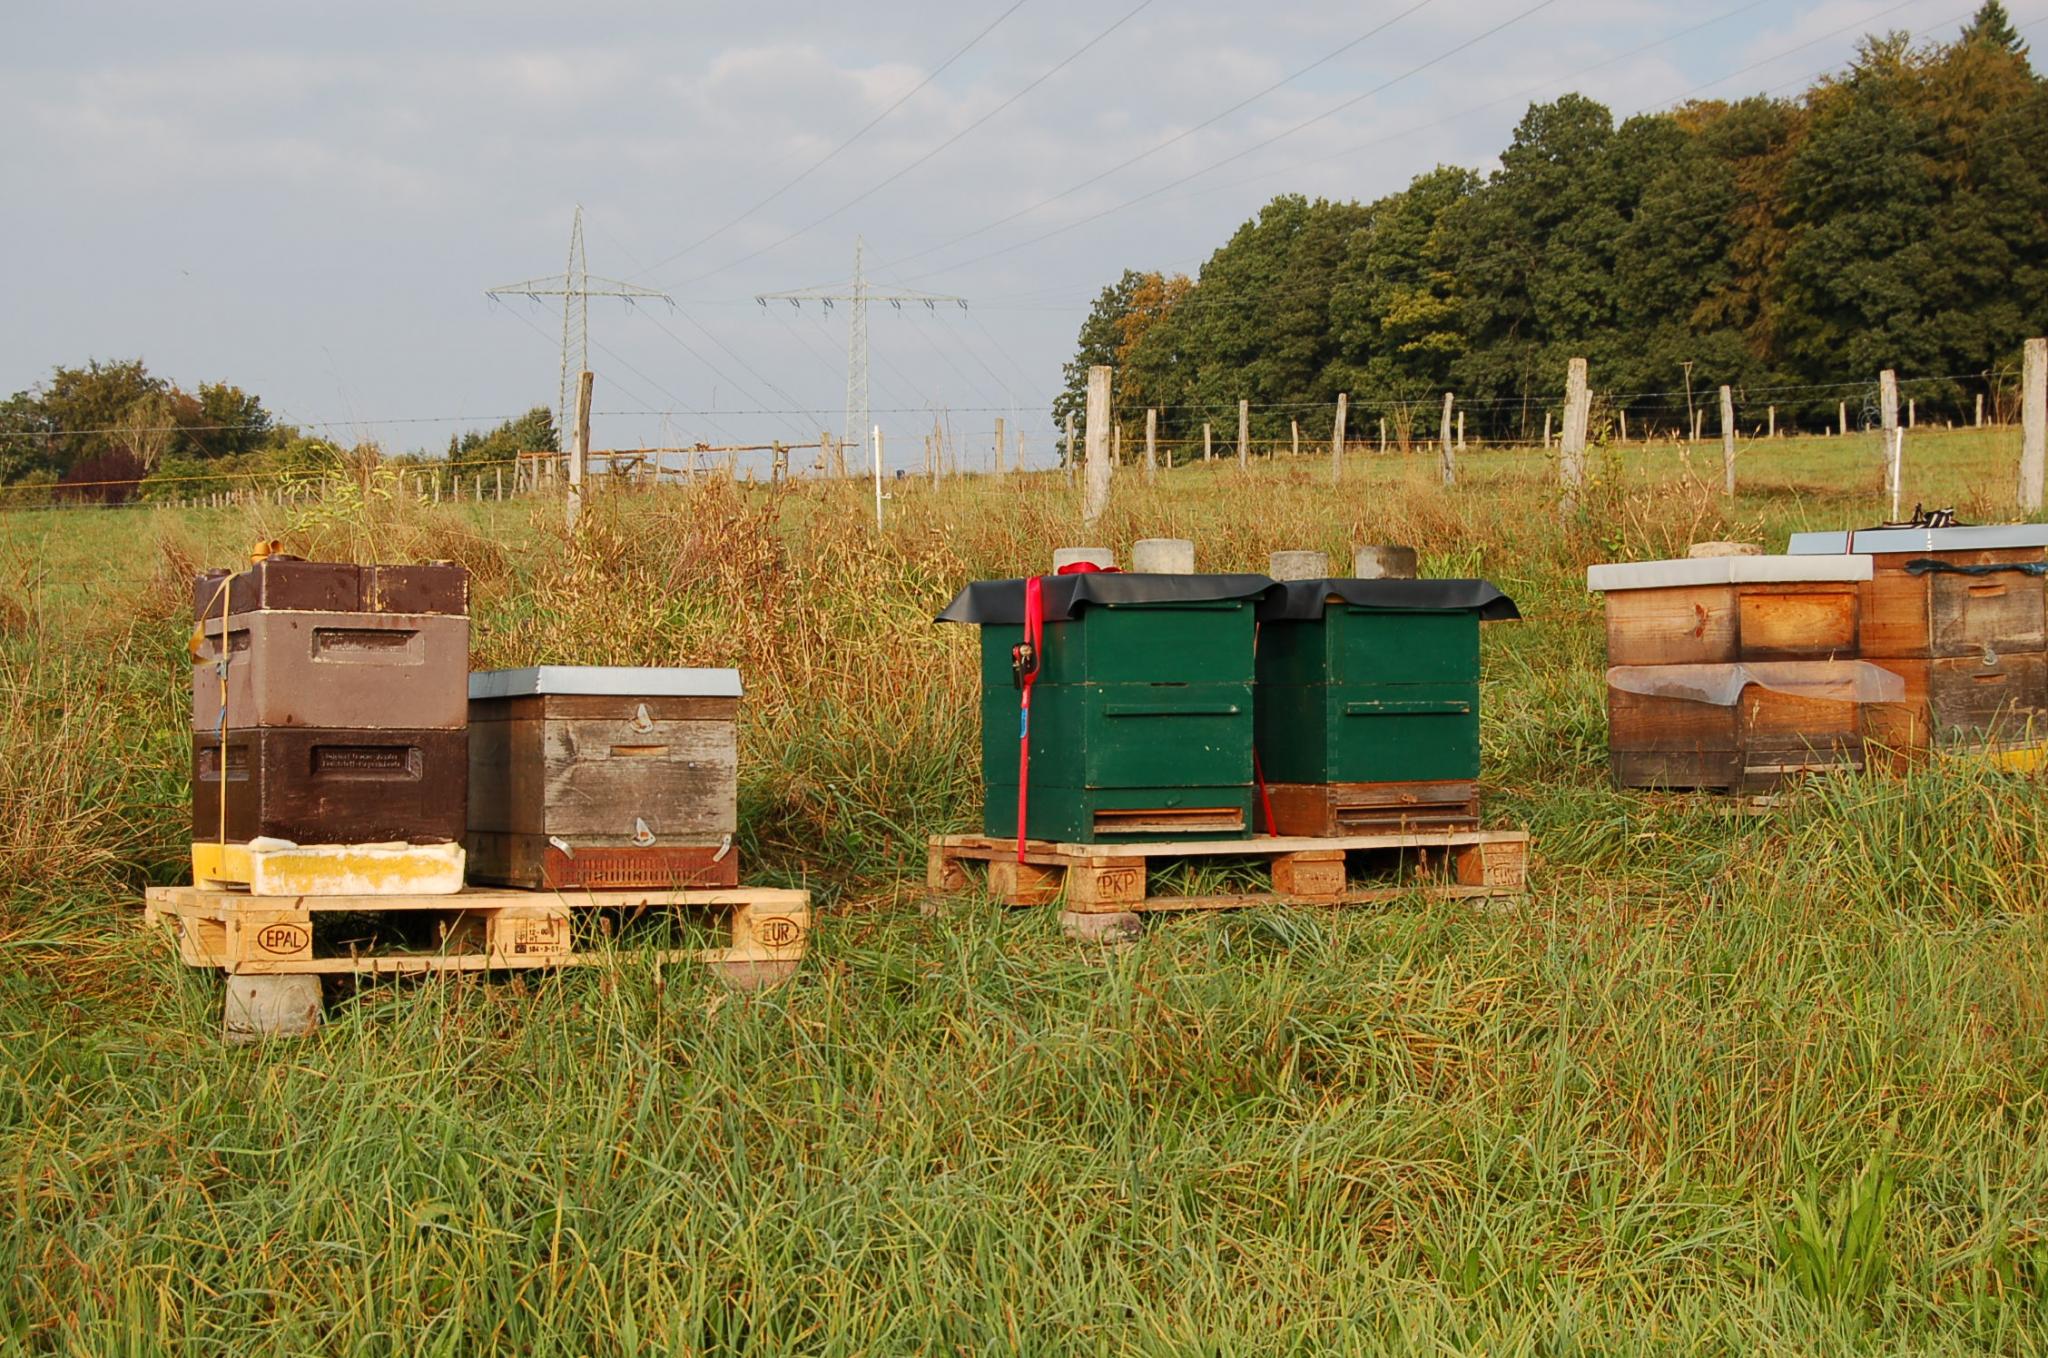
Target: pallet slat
[480, 929]
[1113, 878]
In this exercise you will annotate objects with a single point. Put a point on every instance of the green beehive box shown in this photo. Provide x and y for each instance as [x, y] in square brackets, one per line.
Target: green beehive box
[1141, 714]
[1368, 702]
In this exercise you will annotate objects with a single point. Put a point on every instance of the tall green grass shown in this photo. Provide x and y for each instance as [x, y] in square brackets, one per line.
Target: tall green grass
[1719, 1084]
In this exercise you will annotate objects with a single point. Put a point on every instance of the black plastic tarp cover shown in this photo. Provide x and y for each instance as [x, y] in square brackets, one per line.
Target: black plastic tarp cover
[1001, 602]
[1304, 600]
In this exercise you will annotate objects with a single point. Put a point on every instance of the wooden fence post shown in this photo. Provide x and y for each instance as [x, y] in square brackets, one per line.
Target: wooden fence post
[1912, 413]
[1461, 431]
[1571, 448]
[1095, 491]
[1546, 431]
[2033, 422]
[1244, 433]
[1383, 436]
[876, 436]
[1337, 437]
[1888, 405]
[1295, 427]
[1841, 419]
[1727, 440]
[1624, 424]
[1072, 460]
[579, 450]
[1152, 443]
[999, 445]
[1445, 460]
[1980, 410]
[1208, 449]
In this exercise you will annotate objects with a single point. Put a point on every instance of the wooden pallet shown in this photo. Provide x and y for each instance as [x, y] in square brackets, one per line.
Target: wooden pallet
[476, 929]
[1114, 878]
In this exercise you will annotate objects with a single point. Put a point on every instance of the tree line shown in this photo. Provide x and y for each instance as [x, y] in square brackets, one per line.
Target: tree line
[112, 431]
[1894, 215]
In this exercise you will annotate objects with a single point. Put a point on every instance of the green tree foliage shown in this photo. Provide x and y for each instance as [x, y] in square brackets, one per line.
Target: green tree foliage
[1992, 27]
[533, 432]
[1894, 215]
[120, 420]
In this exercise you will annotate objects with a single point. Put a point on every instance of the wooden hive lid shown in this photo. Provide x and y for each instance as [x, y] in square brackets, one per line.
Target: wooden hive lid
[611, 681]
[1692, 572]
[1978, 538]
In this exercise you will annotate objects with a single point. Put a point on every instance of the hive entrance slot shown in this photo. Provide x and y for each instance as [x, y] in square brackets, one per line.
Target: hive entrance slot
[1169, 820]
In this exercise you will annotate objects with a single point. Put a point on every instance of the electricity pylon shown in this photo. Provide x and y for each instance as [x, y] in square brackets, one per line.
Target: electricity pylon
[859, 296]
[576, 286]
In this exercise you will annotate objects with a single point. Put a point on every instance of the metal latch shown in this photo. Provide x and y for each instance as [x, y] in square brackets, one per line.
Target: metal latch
[1023, 663]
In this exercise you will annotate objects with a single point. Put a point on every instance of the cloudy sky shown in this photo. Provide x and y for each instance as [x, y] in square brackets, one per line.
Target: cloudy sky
[309, 200]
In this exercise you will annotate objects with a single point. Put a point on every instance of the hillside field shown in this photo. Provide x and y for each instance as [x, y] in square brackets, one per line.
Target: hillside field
[1719, 1084]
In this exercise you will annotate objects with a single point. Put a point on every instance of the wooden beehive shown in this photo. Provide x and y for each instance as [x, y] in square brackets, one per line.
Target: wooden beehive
[1969, 636]
[1141, 714]
[1678, 630]
[328, 704]
[603, 777]
[1368, 703]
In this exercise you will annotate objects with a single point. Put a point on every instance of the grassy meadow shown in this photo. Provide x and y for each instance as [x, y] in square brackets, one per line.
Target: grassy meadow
[1719, 1084]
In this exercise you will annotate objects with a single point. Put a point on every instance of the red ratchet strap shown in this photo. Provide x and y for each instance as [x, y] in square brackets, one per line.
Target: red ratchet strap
[1028, 662]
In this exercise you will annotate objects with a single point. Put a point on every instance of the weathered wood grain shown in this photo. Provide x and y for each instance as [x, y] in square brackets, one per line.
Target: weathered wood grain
[1695, 626]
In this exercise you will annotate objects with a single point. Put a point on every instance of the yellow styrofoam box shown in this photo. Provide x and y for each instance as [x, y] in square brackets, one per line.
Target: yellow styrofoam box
[279, 869]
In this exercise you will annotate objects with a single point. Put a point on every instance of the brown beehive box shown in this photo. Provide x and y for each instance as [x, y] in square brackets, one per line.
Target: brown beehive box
[1969, 637]
[314, 786]
[1771, 639]
[290, 583]
[603, 777]
[392, 671]
[325, 714]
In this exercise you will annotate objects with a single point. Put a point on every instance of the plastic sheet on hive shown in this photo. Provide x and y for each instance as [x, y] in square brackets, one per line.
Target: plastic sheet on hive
[1306, 600]
[1001, 602]
[1842, 681]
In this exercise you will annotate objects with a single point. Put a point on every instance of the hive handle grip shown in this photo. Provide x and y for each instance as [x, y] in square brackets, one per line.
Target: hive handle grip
[1410, 707]
[1172, 710]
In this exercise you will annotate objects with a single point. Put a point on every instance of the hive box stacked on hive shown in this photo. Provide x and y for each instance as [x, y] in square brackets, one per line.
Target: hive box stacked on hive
[1141, 713]
[328, 708]
[604, 777]
[1958, 614]
[1368, 703]
[1735, 672]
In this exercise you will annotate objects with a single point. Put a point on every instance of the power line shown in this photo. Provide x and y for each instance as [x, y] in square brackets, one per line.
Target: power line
[858, 294]
[862, 131]
[574, 287]
[1335, 109]
[1174, 140]
[875, 188]
[1209, 293]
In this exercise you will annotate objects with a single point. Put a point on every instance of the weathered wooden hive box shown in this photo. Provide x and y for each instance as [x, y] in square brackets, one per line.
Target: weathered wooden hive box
[1141, 714]
[1958, 614]
[1736, 672]
[1368, 703]
[604, 777]
[329, 706]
